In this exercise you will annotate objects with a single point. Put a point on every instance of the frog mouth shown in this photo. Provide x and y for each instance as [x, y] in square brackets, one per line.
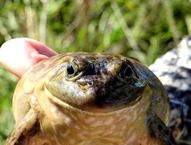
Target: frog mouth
[97, 93]
[101, 105]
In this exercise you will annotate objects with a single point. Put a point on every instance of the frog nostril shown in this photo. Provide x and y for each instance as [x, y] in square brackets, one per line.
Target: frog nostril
[90, 83]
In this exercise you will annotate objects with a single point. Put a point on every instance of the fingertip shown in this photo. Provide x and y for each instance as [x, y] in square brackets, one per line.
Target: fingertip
[19, 54]
[40, 48]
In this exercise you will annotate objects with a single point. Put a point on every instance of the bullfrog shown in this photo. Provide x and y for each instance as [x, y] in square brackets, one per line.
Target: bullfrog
[90, 99]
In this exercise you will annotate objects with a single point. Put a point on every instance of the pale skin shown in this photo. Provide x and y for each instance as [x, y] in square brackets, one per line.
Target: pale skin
[19, 54]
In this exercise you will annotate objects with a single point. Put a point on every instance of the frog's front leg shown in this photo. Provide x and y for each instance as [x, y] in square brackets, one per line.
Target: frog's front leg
[24, 129]
[159, 130]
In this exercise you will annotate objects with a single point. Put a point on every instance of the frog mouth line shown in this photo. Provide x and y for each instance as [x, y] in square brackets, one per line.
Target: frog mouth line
[62, 104]
[88, 110]
[111, 100]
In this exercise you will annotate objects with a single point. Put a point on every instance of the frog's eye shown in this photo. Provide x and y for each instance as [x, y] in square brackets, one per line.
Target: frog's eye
[126, 71]
[70, 70]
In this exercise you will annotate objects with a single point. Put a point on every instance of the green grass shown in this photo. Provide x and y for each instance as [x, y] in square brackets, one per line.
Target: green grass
[141, 29]
[7, 85]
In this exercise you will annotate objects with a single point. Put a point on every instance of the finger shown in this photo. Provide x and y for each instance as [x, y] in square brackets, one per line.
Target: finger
[18, 55]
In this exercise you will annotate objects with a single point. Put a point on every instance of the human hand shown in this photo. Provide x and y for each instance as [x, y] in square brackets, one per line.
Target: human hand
[18, 55]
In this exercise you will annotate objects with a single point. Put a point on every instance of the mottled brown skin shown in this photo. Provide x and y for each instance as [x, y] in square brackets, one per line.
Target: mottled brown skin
[87, 98]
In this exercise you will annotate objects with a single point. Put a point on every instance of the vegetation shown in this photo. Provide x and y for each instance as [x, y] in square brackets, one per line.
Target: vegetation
[143, 29]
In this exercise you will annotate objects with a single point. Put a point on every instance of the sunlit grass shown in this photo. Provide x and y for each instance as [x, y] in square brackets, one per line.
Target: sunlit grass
[7, 85]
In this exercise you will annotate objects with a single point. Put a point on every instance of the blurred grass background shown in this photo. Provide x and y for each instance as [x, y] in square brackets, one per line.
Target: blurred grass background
[144, 29]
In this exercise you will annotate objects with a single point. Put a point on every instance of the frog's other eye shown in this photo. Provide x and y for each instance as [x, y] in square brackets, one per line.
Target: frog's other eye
[126, 71]
[70, 70]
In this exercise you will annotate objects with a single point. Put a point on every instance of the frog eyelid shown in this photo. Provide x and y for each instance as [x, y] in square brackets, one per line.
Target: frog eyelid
[59, 70]
[63, 67]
